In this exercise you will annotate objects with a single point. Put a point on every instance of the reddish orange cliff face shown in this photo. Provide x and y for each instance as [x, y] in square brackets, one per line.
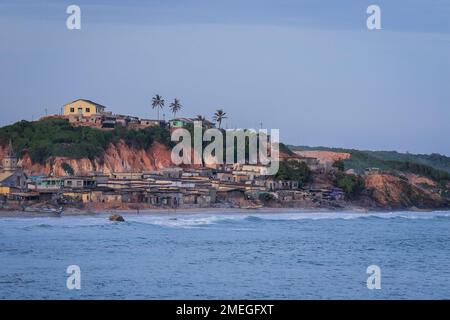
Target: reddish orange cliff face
[396, 192]
[120, 158]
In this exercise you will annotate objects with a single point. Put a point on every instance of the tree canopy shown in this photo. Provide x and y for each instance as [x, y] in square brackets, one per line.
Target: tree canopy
[57, 137]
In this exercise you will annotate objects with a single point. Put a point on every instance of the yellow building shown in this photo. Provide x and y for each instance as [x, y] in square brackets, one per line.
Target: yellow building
[5, 190]
[80, 196]
[83, 107]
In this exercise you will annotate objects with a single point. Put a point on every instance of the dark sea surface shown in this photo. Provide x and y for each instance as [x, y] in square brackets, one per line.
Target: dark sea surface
[227, 256]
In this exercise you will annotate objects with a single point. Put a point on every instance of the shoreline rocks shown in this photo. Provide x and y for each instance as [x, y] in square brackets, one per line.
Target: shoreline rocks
[116, 217]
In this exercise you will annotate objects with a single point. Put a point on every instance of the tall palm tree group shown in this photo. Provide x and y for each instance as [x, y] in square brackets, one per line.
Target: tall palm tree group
[175, 106]
[158, 103]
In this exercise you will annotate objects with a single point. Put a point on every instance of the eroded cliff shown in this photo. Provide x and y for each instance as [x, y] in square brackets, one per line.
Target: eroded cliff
[396, 192]
[117, 158]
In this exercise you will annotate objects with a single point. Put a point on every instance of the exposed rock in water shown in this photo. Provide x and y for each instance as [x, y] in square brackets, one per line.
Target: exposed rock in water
[116, 217]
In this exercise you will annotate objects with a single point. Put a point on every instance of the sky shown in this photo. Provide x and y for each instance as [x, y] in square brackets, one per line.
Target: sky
[309, 68]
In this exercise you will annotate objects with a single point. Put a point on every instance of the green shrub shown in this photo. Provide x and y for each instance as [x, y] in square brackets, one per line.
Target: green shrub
[294, 171]
[339, 164]
[266, 197]
[67, 168]
[351, 184]
[57, 137]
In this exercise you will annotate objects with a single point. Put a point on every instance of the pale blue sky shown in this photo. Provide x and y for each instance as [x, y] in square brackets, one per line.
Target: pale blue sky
[309, 68]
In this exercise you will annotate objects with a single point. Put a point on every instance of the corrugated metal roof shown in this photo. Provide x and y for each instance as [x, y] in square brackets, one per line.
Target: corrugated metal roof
[88, 101]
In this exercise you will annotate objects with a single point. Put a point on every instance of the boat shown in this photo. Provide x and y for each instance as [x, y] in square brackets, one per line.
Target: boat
[43, 209]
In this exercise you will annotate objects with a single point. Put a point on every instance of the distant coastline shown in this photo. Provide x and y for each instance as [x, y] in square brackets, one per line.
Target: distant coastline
[111, 162]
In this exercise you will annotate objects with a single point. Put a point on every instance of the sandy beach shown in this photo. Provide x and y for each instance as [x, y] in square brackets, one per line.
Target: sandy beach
[159, 211]
[78, 212]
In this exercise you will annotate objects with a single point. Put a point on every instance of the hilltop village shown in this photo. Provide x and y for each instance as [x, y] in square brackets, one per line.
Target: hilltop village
[317, 181]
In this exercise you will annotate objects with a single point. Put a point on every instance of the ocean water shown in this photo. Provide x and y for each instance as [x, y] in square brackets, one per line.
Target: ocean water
[227, 256]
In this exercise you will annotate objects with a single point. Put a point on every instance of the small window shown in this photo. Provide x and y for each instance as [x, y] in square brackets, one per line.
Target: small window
[88, 109]
[72, 110]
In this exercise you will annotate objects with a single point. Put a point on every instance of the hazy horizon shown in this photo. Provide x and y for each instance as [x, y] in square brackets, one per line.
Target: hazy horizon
[310, 68]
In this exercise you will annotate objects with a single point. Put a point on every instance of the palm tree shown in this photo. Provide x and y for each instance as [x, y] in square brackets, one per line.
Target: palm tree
[200, 118]
[175, 106]
[158, 103]
[219, 116]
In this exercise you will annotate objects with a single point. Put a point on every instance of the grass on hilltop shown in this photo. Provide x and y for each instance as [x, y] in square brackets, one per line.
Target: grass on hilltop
[434, 166]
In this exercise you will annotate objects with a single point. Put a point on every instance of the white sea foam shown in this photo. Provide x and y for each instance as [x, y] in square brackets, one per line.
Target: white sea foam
[199, 220]
[196, 220]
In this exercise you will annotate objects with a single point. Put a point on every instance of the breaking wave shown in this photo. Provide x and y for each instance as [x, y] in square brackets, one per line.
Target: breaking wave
[200, 220]
[204, 220]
